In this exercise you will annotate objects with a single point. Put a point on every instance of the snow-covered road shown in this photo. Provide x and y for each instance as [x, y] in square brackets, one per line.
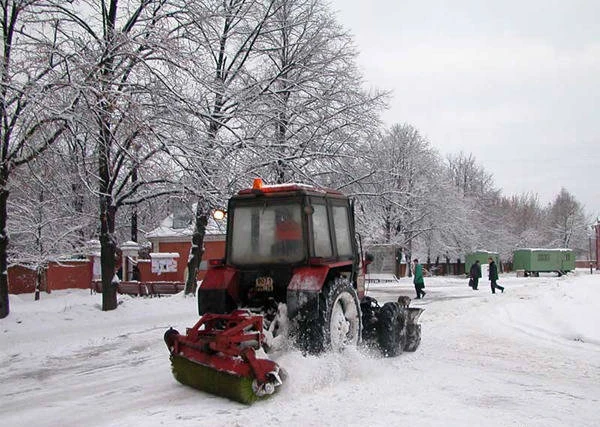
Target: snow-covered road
[528, 357]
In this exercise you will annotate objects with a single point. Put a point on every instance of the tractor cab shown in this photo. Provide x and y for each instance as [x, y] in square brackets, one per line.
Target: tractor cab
[267, 232]
[288, 224]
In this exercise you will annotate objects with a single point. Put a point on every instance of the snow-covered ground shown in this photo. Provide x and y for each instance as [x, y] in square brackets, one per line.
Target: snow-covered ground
[527, 357]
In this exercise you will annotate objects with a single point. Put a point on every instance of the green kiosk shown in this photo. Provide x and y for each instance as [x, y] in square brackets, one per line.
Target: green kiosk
[536, 261]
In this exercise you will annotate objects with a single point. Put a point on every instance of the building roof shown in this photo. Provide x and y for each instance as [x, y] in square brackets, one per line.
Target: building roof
[166, 228]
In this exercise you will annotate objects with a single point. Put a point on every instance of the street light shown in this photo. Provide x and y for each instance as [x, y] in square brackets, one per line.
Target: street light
[590, 257]
[596, 228]
[219, 214]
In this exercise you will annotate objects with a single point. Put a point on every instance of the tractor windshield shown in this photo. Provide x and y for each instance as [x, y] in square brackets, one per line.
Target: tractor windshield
[267, 233]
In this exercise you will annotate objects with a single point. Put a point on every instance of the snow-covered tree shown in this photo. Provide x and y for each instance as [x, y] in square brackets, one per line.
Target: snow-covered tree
[35, 104]
[51, 210]
[402, 187]
[566, 225]
[467, 175]
[452, 232]
[314, 109]
[521, 217]
[486, 227]
[122, 55]
[220, 45]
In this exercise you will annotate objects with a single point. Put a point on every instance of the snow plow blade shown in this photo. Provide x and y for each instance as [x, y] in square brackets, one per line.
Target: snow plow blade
[413, 314]
[217, 355]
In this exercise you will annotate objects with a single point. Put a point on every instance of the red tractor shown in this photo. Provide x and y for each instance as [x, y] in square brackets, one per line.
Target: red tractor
[293, 269]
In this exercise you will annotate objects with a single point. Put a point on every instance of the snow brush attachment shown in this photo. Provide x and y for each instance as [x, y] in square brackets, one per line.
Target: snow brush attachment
[218, 356]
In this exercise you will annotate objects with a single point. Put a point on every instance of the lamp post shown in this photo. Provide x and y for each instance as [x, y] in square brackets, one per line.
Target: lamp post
[590, 257]
[596, 229]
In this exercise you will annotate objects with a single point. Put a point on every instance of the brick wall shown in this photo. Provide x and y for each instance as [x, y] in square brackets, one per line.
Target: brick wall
[69, 275]
[21, 279]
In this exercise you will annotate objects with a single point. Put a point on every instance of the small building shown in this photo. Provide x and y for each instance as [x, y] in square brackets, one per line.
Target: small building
[482, 256]
[171, 243]
[535, 261]
[387, 265]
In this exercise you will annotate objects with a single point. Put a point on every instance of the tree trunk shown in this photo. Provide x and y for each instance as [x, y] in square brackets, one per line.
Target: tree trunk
[398, 270]
[197, 249]
[108, 250]
[281, 165]
[38, 281]
[409, 257]
[107, 220]
[4, 306]
[78, 206]
[134, 224]
[107, 209]
[134, 211]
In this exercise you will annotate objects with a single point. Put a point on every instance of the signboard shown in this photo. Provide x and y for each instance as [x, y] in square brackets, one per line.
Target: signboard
[164, 262]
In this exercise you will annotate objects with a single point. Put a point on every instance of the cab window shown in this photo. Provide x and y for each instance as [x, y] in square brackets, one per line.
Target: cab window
[342, 231]
[267, 233]
[320, 229]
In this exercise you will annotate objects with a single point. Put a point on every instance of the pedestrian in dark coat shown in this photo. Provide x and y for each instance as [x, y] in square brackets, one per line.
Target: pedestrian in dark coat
[475, 274]
[493, 275]
[418, 280]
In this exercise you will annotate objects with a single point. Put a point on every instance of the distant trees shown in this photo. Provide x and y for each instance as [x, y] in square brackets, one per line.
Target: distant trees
[479, 199]
[447, 209]
[520, 219]
[51, 211]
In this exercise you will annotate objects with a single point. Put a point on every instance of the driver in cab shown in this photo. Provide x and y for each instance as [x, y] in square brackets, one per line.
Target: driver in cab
[288, 233]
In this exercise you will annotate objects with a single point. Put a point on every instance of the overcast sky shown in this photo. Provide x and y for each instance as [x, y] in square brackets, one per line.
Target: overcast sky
[516, 83]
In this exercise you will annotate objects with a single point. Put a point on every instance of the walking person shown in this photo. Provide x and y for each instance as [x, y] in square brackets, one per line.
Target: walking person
[418, 279]
[475, 274]
[493, 275]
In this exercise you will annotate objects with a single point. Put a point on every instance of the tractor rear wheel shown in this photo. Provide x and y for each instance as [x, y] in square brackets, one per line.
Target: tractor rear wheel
[337, 323]
[391, 333]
